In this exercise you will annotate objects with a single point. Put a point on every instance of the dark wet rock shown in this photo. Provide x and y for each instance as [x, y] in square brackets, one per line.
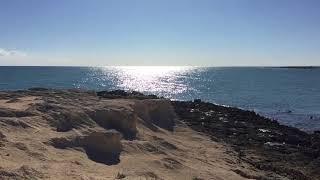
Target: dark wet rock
[261, 142]
[315, 141]
[197, 101]
[38, 89]
[115, 93]
[288, 111]
[124, 94]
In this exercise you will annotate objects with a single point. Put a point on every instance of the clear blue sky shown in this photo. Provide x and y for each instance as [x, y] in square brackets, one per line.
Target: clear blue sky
[160, 32]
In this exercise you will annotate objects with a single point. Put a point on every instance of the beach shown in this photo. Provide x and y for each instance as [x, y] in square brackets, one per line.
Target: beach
[76, 134]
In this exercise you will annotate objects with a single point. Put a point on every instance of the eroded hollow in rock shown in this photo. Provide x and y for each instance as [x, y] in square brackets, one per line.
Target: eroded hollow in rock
[101, 147]
[123, 121]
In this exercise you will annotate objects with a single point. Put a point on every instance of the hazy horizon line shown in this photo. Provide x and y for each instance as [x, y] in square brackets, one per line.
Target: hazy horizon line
[270, 66]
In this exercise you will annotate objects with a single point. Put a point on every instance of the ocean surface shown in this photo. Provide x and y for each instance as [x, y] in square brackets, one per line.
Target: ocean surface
[289, 95]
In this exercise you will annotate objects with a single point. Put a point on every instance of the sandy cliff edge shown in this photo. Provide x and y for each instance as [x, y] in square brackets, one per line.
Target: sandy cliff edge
[69, 134]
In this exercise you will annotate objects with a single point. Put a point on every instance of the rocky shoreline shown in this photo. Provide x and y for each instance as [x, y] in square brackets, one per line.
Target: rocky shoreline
[102, 133]
[260, 141]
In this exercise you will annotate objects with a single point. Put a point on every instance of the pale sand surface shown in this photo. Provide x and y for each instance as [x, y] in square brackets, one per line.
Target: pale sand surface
[21, 103]
[26, 150]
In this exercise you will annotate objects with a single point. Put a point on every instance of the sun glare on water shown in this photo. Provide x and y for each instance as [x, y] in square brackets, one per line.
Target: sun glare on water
[160, 79]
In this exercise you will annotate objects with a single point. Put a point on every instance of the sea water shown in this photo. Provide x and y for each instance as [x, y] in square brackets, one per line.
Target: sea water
[289, 95]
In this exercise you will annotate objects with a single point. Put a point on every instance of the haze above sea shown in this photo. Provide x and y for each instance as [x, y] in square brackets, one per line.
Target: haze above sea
[289, 95]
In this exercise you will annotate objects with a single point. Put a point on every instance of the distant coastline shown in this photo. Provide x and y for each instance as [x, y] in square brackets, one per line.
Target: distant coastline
[298, 67]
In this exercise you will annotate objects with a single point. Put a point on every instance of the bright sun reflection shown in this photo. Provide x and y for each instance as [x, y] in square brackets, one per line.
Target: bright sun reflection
[160, 79]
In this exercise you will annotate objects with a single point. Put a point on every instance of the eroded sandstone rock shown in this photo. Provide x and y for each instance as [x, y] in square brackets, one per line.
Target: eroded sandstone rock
[122, 120]
[24, 172]
[159, 112]
[103, 147]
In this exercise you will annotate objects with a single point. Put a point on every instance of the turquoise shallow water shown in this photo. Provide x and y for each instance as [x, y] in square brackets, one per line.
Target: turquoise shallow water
[292, 96]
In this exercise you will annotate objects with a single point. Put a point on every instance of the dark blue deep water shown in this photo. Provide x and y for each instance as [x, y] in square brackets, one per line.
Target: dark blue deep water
[292, 96]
